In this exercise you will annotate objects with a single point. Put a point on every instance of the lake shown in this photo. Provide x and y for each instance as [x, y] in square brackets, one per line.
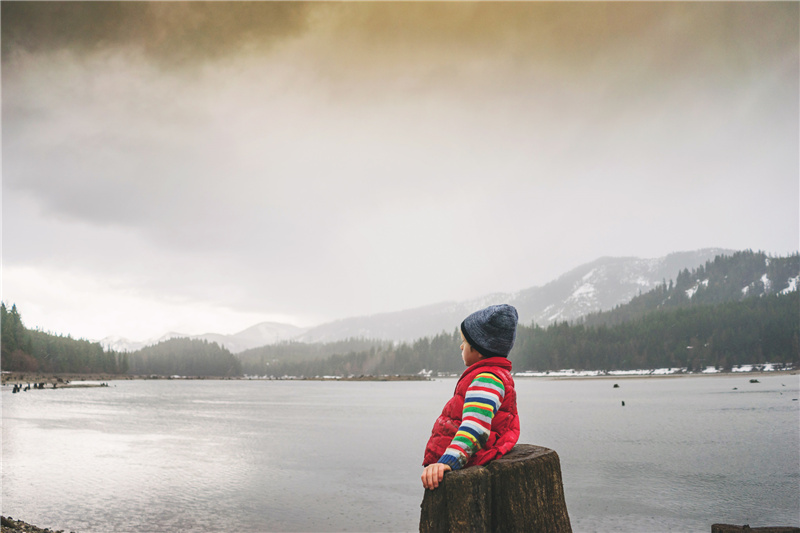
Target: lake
[258, 456]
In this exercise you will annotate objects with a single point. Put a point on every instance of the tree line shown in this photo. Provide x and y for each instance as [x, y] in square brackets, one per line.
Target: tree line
[755, 330]
[752, 331]
[439, 352]
[703, 318]
[185, 357]
[31, 350]
[731, 311]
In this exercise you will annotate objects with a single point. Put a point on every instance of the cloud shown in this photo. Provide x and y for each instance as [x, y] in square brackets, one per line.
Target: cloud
[169, 33]
[329, 159]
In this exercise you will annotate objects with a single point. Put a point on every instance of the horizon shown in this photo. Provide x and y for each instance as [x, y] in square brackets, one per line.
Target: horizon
[178, 334]
[197, 167]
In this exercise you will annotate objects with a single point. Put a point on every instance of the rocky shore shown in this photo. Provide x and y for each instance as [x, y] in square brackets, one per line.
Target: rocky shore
[22, 378]
[8, 524]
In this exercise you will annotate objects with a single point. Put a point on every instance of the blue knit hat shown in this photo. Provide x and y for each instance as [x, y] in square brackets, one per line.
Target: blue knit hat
[491, 331]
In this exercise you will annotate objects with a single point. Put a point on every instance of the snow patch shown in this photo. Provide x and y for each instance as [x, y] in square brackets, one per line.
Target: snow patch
[792, 285]
[691, 292]
[587, 289]
[595, 373]
[766, 282]
[766, 367]
[569, 372]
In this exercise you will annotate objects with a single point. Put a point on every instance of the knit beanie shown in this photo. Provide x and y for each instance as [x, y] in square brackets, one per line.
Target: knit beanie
[491, 331]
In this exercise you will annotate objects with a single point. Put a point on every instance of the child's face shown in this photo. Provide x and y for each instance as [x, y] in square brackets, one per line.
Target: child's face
[469, 355]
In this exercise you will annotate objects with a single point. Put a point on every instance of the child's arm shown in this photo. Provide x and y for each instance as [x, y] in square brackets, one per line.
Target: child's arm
[481, 402]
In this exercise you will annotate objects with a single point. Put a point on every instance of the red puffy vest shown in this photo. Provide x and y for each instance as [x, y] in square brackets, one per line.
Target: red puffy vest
[505, 424]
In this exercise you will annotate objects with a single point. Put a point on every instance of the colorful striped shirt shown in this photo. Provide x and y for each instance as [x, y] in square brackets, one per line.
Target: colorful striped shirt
[481, 402]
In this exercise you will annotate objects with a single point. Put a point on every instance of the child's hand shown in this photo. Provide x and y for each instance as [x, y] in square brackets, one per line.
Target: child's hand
[433, 474]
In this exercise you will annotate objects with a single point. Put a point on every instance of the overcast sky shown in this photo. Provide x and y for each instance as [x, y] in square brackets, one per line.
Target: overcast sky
[204, 167]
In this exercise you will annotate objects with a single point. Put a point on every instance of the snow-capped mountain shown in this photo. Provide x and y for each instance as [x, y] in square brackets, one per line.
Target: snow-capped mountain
[729, 278]
[595, 286]
[603, 284]
[254, 336]
[122, 344]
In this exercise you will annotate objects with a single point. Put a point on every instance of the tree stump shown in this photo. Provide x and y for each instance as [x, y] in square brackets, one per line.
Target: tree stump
[729, 528]
[527, 491]
[459, 504]
[521, 491]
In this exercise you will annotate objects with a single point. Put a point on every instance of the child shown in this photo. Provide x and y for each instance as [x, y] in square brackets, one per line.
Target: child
[480, 421]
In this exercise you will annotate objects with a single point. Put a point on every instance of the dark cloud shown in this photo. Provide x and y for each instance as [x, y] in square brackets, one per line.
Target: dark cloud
[674, 36]
[170, 33]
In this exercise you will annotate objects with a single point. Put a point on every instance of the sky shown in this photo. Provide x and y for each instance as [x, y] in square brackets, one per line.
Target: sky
[202, 167]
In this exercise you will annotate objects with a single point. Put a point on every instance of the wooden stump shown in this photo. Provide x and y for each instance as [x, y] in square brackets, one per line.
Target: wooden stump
[522, 491]
[527, 491]
[459, 504]
[728, 528]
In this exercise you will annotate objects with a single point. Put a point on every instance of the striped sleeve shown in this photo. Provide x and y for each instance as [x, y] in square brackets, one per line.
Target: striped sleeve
[481, 402]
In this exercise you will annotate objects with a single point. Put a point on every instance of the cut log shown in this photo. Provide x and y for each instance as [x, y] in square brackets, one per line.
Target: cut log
[521, 491]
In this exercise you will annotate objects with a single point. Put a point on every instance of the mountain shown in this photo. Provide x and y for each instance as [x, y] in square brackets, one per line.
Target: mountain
[120, 344]
[728, 278]
[739, 309]
[252, 337]
[596, 286]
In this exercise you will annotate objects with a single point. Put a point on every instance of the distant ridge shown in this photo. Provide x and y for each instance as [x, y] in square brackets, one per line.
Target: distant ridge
[252, 337]
[596, 286]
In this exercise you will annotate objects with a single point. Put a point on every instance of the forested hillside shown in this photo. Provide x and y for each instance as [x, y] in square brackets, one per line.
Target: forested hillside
[185, 357]
[26, 350]
[256, 360]
[728, 278]
[738, 309]
[756, 330]
[29, 350]
[374, 358]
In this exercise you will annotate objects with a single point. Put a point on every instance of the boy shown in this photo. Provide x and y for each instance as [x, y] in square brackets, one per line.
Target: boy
[480, 421]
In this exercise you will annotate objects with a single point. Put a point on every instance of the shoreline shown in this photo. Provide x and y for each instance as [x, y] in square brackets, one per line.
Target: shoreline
[72, 380]
[674, 376]
[62, 381]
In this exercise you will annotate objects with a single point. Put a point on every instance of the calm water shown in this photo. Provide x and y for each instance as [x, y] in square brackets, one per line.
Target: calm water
[252, 456]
